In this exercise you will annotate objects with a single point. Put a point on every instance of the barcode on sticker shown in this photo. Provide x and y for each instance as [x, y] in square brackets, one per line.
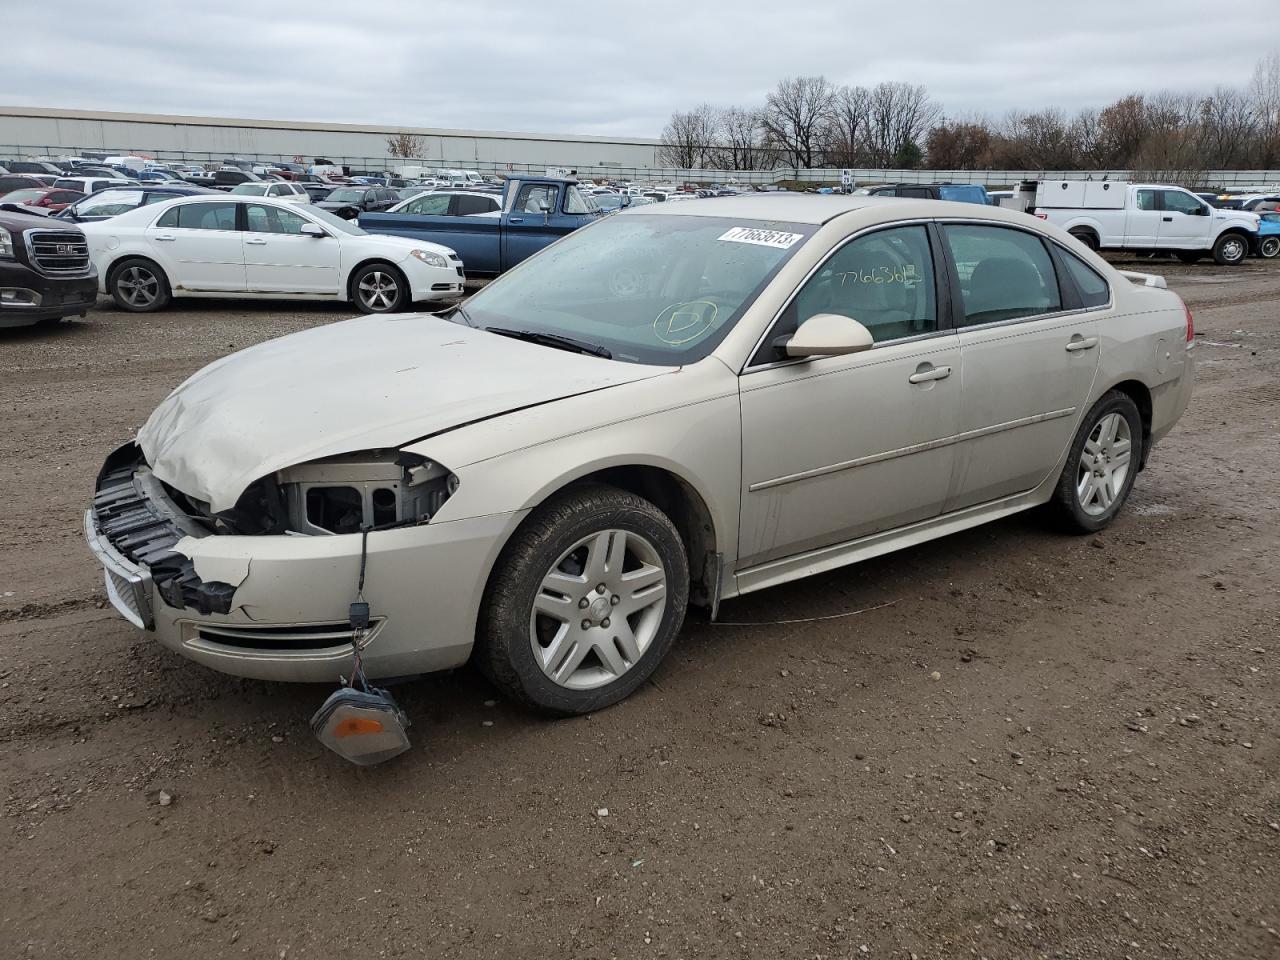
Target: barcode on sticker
[765, 238]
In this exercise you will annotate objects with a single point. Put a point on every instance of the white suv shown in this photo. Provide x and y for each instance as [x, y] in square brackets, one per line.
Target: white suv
[278, 189]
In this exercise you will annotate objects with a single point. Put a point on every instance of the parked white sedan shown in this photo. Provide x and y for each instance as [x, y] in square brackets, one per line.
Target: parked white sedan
[225, 246]
[674, 405]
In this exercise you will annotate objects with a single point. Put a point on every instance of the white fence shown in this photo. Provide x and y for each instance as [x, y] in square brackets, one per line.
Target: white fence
[990, 178]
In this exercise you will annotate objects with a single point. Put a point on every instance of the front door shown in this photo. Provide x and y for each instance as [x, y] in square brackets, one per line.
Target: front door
[280, 258]
[531, 224]
[837, 448]
[1028, 363]
[200, 247]
[1184, 221]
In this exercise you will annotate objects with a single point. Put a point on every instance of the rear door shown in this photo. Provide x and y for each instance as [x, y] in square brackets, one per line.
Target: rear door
[280, 258]
[200, 246]
[1142, 220]
[1030, 353]
[1184, 221]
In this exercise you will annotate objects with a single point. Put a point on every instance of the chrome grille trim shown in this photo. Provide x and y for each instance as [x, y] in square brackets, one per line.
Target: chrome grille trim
[58, 253]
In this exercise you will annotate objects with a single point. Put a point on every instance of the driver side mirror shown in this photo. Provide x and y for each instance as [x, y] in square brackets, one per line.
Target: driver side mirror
[1202, 211]
[312, 230]
[827, 335]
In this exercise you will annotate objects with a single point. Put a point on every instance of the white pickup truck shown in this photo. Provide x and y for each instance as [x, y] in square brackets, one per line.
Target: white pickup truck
[1113, 215]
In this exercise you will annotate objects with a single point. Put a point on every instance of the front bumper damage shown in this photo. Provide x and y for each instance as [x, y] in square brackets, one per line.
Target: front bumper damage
[275, 607]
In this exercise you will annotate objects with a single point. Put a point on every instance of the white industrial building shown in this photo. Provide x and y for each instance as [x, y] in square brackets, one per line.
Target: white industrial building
[40, 131]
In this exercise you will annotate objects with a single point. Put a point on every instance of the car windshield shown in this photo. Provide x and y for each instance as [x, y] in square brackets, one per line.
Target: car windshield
[347, 195]
[650, 289]
[23, 196]
[336, 222]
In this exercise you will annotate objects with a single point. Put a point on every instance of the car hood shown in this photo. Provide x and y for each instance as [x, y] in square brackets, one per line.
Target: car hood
[367, 383]
[337, 204]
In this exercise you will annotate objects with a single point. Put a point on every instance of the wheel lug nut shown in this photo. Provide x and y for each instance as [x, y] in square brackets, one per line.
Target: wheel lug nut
[604, 622]
[600, 588]
[586, 624]
[615, 599]
[582, 604]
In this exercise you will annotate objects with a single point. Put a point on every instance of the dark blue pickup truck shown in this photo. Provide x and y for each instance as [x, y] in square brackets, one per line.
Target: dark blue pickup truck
[536, 211]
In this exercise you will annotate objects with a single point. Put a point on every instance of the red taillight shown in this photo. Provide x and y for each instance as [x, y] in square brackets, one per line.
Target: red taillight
[1191, 324]
[1042, 216]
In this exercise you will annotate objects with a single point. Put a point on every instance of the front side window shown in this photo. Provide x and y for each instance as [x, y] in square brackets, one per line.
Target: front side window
[884, 280]
[533, 197]
[575, 202]
[1179, 202]
[200, 216]
[1004, 273]
[650, 289]
[262, 218]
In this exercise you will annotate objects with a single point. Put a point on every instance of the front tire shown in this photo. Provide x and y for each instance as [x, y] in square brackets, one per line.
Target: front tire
[1230, 250]
[584, 602]
[1101, 465]
[379, 288]
[138, 286]
[1269, 248]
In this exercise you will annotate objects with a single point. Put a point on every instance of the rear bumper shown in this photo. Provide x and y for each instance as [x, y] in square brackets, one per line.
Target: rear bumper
[286, 616]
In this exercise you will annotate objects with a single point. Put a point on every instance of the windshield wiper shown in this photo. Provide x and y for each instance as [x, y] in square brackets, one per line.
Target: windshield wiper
[554, 340]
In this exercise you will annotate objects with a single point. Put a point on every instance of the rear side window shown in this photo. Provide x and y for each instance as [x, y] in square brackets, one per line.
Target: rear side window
[1005, 274]
[467, 205]
[1093, 289]
[200, 216]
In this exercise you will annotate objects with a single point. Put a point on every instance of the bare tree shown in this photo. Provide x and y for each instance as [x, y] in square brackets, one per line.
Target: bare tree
[795, 115]
[898, 116]
[407, 145]
[959, 145]
[1229, 125]
[688, 140]
[1264, 92]
[846, 131]
[740, 140]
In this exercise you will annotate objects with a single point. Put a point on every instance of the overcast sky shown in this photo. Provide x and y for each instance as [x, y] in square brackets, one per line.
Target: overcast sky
[549, 66]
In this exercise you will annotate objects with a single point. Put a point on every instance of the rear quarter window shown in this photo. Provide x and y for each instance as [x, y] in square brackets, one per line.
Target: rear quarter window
[1094, 291]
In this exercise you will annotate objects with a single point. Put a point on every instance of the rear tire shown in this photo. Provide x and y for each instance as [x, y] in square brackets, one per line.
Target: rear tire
[548, 637]
[1269, 248]
[1230, 250]
[1190, 256]
[137, 285]
[379, 288]
[1101, 465]
[1087, 238]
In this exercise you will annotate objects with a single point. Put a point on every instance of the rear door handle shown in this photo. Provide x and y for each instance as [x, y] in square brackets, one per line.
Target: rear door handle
[1076, 344]
[257, 243]
[1167, 219]
[165, 236]
[931, 373]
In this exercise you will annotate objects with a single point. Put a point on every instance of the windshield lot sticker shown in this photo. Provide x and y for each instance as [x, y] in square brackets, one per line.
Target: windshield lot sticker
[684, 322]
[762, 238]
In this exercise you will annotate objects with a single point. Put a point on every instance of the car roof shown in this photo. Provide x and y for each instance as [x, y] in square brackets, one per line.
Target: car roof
[817, 208]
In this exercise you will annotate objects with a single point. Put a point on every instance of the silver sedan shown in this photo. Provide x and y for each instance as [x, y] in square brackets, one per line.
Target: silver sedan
[673, 406]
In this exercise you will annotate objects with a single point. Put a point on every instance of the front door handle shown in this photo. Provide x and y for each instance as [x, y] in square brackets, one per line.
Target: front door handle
[515, 219]
[1167, 219]
[925, 373]
[1078, 343]
[165, 236]
[257, 242]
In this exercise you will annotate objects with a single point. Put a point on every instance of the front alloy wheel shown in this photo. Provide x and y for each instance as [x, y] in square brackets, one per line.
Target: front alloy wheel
[379, 289]
[584, 602]
[138, 286]
[1269, 247]
[598, 609]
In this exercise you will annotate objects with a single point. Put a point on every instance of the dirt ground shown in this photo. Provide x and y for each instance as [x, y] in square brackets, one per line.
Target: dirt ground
[1096, 773]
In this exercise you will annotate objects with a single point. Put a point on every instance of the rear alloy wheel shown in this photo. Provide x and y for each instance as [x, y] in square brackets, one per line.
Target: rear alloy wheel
[1087, 238]
[1230, 250]
[1102, 464]
[1269, 247]
[585, 601]
[139, 286]
[379, 288]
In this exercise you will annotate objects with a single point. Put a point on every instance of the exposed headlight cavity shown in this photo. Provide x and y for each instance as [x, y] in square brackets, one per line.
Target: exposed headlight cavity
[376, 489]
